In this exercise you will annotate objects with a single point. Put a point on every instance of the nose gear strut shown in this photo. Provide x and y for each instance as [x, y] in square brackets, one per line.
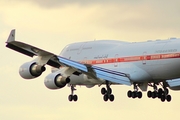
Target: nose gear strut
[72, 97]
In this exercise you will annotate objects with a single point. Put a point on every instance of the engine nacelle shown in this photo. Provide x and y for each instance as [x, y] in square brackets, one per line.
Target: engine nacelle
[56, 81]
[31, 70]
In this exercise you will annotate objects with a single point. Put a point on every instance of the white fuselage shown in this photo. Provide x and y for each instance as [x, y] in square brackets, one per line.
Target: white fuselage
[149, 61]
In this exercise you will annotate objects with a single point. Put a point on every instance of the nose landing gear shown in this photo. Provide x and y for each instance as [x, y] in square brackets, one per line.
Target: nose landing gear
[72, 97]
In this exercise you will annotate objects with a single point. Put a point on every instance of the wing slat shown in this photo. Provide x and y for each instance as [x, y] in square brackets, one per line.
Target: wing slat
[74, 64]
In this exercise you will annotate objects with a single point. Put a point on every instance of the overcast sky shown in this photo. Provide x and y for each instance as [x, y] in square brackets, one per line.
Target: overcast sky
[51, 25]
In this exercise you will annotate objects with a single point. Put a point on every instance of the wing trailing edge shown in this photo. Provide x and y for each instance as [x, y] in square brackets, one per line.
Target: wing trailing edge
[173, 82]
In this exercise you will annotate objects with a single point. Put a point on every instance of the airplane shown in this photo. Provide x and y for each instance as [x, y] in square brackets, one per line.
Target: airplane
[146, 64]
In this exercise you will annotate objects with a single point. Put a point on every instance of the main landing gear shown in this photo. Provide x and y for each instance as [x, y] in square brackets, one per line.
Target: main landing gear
[107, 92]
[72, 97]
[135, 93]
[162, 94]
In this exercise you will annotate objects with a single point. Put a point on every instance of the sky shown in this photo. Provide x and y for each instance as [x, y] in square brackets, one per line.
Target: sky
[51, 25]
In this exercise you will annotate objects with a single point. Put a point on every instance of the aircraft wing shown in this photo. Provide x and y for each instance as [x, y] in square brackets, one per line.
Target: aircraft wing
[30, 50]
[173, 82]
[98, 72]
[57, 61]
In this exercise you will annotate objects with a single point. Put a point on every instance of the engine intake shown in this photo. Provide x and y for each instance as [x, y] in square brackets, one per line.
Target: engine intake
[36, 70]
[31, 70]
[56, 81]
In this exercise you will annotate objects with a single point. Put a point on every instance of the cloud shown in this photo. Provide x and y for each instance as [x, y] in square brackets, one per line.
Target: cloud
[84, 3]
[117, 18]
[61, 3]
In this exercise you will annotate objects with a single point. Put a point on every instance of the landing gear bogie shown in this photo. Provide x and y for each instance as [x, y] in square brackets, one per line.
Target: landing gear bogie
[107, 92]
[135, 93]
[162, 94]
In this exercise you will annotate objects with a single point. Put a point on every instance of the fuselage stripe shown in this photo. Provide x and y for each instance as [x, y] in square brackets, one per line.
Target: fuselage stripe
[132, 58]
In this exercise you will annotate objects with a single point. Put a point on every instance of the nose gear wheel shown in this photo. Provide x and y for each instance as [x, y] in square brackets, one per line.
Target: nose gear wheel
[72, 97]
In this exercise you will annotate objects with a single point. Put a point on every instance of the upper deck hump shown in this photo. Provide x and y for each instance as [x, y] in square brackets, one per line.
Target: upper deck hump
[113, 44]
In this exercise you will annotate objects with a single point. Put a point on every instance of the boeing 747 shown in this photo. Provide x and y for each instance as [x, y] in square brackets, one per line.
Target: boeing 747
[153, 64]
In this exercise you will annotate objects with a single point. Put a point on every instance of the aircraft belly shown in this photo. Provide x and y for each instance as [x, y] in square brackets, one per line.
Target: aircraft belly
[83, 80]
[165, 69]
[139, 75]
[135, 73]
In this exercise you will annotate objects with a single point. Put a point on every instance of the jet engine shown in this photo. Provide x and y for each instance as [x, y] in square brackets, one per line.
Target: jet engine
[56, 81]
[31, 70]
